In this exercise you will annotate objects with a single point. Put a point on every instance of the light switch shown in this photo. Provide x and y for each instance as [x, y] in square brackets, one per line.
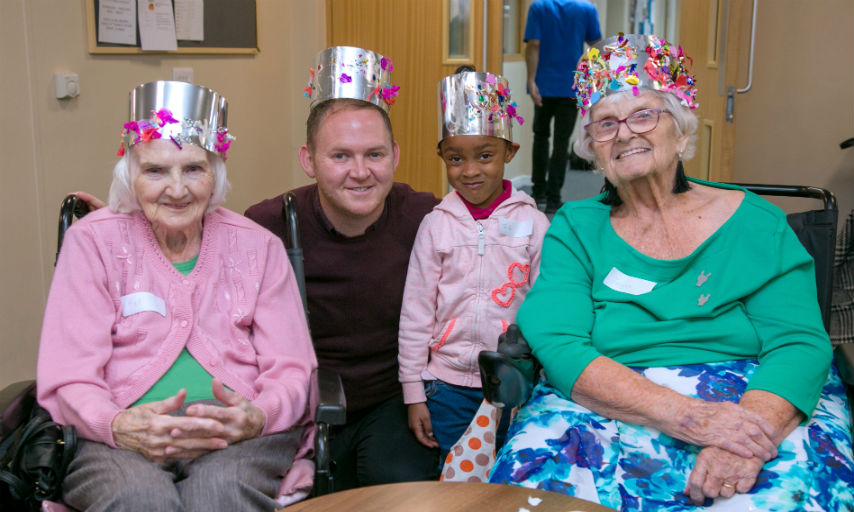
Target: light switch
[182, 74]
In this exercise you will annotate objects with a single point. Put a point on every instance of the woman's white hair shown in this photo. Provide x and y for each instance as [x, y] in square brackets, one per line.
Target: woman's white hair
[685, 120]
[122, 197]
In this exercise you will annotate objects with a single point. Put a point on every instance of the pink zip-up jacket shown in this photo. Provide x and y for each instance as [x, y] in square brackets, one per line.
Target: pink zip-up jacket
[119, 314]
[466, 279]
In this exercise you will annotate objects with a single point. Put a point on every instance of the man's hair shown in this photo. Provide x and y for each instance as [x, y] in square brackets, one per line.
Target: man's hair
[326, 108]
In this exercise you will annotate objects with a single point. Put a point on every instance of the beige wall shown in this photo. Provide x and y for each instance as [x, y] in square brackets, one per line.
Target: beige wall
[788, 131]
[52, 146]
[801, 106]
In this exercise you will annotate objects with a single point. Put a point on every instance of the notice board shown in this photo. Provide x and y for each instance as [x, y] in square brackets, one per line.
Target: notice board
[230, 27]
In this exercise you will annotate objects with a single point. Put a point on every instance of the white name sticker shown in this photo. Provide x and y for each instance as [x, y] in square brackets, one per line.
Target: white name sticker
[621, 282]
[515, 228]
[142, 301]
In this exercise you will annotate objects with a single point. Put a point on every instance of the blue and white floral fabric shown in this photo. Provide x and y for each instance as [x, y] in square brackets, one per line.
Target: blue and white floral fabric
[557, 445]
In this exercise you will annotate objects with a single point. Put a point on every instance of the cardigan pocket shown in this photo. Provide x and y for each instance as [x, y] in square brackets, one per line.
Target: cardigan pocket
[447, 333]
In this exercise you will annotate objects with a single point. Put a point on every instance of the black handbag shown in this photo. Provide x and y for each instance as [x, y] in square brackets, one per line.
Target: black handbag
[34, 457]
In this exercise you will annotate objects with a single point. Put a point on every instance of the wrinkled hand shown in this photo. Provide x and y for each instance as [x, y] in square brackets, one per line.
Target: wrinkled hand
[728, 426]
[534, 91]
[419, 422]
[93, 202]
[716, 467]
[240, 419]
[150, 431]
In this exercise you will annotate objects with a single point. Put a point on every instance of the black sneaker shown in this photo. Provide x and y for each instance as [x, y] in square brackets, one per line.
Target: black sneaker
[540, 200]
[553, 206]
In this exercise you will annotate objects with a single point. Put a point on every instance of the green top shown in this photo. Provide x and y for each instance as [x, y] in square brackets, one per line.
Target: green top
[747, 292]
[185, 372]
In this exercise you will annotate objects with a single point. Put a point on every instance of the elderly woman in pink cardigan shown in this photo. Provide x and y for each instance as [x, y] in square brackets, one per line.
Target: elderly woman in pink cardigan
[174, 338]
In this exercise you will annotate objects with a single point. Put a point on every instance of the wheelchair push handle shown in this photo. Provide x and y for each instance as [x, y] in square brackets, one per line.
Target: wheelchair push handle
[71, 207]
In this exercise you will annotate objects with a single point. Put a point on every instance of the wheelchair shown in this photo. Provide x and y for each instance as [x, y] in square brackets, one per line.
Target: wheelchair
[509, 374]
[328, 391]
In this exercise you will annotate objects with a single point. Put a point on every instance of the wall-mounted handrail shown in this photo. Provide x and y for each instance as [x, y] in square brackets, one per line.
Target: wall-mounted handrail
[752, 45]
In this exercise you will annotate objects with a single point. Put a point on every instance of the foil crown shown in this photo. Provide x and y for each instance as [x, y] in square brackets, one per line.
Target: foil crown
[473, 103]
[179, 111]
[634, 62]
[351, 72]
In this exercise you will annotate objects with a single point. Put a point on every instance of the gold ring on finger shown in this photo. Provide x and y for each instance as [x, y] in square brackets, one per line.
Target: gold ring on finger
[728, 485]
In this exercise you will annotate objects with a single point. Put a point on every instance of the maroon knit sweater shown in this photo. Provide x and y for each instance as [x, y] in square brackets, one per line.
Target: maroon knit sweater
[355, 287]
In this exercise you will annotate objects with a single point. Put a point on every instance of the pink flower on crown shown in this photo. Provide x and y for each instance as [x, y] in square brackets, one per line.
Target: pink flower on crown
[386, 64]
[163, 117]
[223, 142]
[389, 92]
[345, 78]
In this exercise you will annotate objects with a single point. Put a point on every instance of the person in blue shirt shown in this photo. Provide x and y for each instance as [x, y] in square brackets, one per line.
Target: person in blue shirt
[555, 34]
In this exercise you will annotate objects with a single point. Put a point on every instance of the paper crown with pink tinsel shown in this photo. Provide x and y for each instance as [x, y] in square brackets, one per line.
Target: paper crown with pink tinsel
[350, 72]
[178, 111]
[472, 103]
[634, 62]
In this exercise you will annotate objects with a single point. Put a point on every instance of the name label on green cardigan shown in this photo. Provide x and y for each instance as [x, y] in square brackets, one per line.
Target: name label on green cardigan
[625, 283]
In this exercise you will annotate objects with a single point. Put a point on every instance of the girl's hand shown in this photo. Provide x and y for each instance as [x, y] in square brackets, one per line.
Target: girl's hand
[419, 422]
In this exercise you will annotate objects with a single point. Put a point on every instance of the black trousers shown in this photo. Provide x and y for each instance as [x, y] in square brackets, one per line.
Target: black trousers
[548, 172]
[377, 447]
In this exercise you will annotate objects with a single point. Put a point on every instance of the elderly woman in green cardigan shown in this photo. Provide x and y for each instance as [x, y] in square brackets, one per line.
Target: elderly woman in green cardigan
[684, 356]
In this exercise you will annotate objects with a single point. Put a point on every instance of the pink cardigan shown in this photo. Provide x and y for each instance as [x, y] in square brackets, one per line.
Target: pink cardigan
[119, 313]
[466, 279]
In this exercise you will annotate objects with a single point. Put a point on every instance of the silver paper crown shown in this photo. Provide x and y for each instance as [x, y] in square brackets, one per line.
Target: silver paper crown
[177, 111]
[350, 72]
[473, 103]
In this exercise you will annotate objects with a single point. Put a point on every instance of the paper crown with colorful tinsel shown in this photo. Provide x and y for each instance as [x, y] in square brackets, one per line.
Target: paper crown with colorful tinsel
[350, 72]
[473, 103]
[178, 111]
[634, 62]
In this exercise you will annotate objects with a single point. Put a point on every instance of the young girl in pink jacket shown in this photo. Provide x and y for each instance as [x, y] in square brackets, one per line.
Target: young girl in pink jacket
[475, 257]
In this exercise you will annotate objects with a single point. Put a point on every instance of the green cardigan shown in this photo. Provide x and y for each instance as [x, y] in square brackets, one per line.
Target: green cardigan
[748, 292]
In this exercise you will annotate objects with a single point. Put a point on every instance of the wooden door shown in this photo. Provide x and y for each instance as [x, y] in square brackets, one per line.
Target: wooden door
[712, 33]
[411, 34]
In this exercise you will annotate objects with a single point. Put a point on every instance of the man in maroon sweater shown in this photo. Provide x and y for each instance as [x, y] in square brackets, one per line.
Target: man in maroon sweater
[357, 228]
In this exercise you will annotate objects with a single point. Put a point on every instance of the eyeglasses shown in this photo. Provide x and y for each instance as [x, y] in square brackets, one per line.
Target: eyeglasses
[641, 121]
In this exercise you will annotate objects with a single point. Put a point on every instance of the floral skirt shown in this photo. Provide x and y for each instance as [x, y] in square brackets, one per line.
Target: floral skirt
[557, 445]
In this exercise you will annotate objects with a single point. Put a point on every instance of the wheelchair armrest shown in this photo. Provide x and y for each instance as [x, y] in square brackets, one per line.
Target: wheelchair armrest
[331, 410]
[506, 382]
[331, 404]
[508, 375]
[14, 398]
[844, 355]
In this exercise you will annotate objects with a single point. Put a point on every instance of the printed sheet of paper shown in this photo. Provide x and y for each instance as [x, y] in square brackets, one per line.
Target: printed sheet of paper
[117, 22]
[190, 20]
[156, 25]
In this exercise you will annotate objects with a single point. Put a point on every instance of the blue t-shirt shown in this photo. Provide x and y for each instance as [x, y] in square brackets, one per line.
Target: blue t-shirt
[561, 27]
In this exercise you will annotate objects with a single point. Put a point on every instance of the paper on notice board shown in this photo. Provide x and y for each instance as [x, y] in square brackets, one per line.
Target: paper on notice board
[117, 22]
[190, 20]
[156, 25]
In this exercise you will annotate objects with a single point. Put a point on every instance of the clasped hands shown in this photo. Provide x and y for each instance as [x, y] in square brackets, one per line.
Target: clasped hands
[149, 429]
[737, 441]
